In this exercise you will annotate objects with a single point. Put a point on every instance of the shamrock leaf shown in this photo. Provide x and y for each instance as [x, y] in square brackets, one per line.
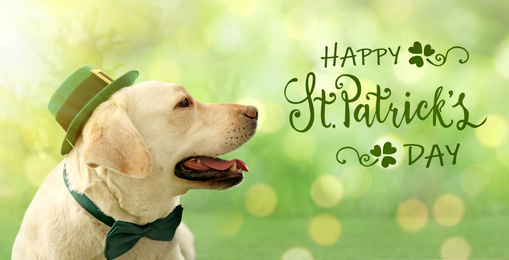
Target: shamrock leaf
[386, 151]
[388, 160]
[376, 151]
[389, 149]
[417, 60]
[418, 52]
[428, 51]
[416, 48]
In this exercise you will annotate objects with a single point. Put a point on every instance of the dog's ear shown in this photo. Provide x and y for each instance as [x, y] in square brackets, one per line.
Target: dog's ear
[111, 140]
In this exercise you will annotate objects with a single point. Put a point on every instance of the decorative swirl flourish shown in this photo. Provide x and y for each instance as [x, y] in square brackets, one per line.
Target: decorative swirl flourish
[427, 52]
[443, 58]
[363, 159]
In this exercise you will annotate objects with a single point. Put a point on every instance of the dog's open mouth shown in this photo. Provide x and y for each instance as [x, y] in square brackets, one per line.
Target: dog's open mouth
[203, 168]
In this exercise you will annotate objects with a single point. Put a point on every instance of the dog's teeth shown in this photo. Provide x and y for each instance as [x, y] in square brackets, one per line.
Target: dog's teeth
[198, 161]
[234, 167]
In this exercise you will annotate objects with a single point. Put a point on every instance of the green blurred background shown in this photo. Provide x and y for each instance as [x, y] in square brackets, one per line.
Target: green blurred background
[296, 202]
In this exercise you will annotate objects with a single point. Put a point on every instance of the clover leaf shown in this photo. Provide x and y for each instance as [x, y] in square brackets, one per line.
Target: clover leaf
[386, 151]
[417, 49]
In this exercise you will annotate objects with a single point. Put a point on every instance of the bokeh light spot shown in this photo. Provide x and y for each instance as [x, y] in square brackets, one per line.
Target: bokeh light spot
[475, 178]
[502, 59]
[299, 146]
[326, 191]
[325, 229]
[261, 200]
[412, 215]
[356, 181]
[494, 132]
[297, 253]
[455, 248]
[448, 210]
[229, 224]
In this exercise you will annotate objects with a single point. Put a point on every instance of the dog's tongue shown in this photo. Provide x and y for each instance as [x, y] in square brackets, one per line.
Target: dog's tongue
[204, 163]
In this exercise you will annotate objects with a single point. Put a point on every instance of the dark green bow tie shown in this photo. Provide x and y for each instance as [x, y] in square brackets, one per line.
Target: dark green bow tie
[124, 235]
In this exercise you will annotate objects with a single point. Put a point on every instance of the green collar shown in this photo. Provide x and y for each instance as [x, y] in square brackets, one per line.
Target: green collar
[124, 235]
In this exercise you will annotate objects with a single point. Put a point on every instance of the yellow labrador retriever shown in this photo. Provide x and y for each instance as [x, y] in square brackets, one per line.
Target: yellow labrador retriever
[141, 149]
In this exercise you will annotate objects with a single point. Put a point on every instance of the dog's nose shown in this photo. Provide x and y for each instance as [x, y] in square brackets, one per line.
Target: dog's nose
[251, 112]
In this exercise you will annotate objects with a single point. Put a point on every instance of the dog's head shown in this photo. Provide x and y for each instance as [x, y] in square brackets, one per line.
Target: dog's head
[159, 131]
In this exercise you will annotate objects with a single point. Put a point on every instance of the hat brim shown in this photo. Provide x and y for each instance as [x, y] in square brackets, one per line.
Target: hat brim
[81, 118]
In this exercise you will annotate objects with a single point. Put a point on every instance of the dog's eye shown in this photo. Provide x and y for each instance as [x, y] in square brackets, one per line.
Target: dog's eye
[183, 103]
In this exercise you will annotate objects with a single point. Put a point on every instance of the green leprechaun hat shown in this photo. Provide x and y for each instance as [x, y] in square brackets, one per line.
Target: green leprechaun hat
[76, 98]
